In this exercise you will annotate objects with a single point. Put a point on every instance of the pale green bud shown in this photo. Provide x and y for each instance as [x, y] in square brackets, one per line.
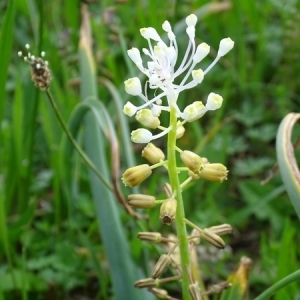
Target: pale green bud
[153, 154]
[192, 161]
[168, 211]
[135, 175]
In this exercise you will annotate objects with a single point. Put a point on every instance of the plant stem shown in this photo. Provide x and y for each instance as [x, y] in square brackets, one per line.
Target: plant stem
[279, 285]
[180, 224]
[75, 144]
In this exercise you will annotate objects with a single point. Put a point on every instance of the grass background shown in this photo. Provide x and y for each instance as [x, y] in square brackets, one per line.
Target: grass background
[51, 228]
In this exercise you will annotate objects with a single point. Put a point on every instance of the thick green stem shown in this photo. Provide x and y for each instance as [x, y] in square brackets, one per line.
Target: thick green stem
[180, 216]
[75, 144]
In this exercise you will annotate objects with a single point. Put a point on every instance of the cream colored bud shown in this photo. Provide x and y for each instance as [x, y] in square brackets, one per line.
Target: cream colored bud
[180, 131]
[160, 293]
[161, 265]
[195, 291]
[154, 237]
[192, 161]
[221, 229]
[145, 117]
[214, 172]
[146, 283]
[212, 238]
[135, 175]
[141, 201]
[168, 211]
[153, 154]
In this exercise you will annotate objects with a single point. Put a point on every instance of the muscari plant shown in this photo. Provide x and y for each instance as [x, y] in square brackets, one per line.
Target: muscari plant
[162, 72]
[166, 79]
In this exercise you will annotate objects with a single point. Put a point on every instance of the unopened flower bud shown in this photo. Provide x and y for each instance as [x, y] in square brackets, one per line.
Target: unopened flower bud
[141, 136]
[146, 283]
[133, 86]
[154, 237]
[145, 117]
[201, 51]
[192, 161]
[160, 293]
[141, 201]
[225, 46]
[198, 76]
[156, 110]
[153, 154]
[135, 55]
[214, 172]
[214, 101]
[221, 229]
[168, 211]
[129, 109]
[212, 238]
[135, 175]
[195, 291]
[161, 265]
[191, 20]
[180, 131]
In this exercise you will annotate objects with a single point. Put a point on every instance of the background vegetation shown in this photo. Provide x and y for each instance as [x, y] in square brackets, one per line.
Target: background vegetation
[53, 232]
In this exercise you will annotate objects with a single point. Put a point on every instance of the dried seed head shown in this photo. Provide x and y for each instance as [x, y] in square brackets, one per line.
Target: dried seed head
[221, 229]
[154, 237]
[141, 201]
[146, 283]
[168, 211]
[153, 154]
[160, 293]
[161, 265]
[195, 291]
[135, 175]
[213, 238]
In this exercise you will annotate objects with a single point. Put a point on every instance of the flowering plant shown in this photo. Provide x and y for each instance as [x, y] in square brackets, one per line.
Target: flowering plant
[161, 72]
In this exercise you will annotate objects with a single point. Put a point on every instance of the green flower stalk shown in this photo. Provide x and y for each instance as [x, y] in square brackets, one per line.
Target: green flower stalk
[161, 73]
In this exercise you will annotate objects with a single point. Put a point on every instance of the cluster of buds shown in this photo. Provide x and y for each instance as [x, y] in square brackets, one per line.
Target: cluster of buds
[40, 73]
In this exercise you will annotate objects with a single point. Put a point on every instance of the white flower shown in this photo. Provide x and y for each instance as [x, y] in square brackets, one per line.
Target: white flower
[141, 135]
[162, 70]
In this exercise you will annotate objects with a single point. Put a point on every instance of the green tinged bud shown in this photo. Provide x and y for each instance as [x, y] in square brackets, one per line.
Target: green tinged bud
[168, 211]
[141, 201]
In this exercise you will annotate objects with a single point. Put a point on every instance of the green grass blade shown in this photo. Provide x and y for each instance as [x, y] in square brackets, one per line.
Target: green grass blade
[286, 159]
[6, 37]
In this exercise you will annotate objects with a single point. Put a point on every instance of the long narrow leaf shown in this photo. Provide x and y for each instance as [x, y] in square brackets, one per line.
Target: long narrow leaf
[286, 159]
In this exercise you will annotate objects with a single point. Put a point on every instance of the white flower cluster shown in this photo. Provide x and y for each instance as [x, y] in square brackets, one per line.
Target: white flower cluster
[161, 74]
